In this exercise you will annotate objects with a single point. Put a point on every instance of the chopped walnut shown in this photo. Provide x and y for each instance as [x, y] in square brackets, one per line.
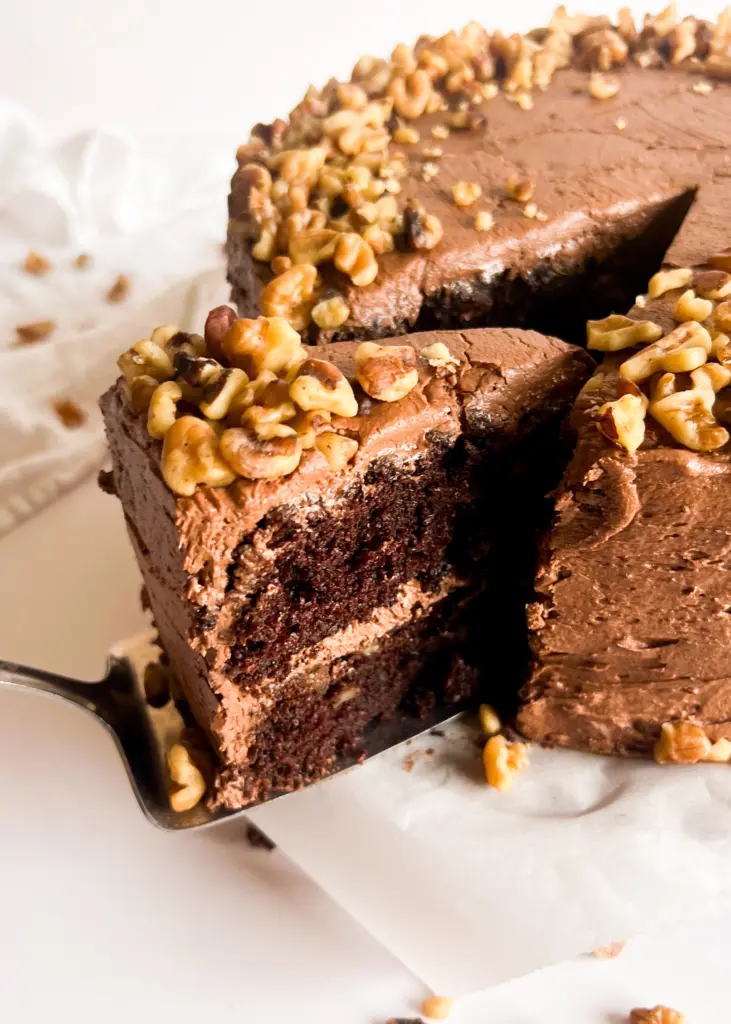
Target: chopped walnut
[668, 280]
[321, 385]
[191, 456]
[162, 408]
[682, 743]
[354, 256]
[722, 318]
[36, 264]
[602, 88]
[437, 1007]
[688, 417]
[658, 1015]
[489, 720]
[438, 355]
[620, 124]
[616, 332]
[691, 307]
[623, 421]
[520, 189]
[264, 452]
[291, 295]
[703, 88]
[120, 289]
[29, 334]
[386, 372]
[405, 135]
[712, 284]
[440, 131]
[720, 752]
[503, 761]
[465, 193]
[82, 261]
[610, 952]
[338, 450]
[190, 786]
[681, 351]
[330, 312]
[484, 221]
[69, 412]
[268, 343]
[422, 230]
[411, 93]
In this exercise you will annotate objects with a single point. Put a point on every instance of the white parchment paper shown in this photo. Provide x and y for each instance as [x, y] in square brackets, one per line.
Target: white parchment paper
[470, 887]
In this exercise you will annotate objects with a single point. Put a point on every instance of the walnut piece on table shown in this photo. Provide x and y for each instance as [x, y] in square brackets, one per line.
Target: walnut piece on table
[69, 412]
[29, 334]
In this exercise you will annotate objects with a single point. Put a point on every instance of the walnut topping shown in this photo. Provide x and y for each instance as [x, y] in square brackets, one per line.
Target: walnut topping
[722, 318]
[338, 450]
[69, 413]
[82, 261]
[29, 334]
[620, 124]
[682, 743]
[688, 416]
[406, 135]
[712, 284]
[465, 193]
[657, 1015]
[484, 221]
[437, 1007]
[36, 264]
[191, 456]
[354, 256]
[602, 88]
[120, 289]
[313, 247]
[720, 752]
[668, 280]
[221, 392]
[422, 230]
[190, 786]
[331, 312]
[623, 421]
[615, 332]
[703, 88]
[263, 453]
[438, 355]
[520, 189]
[163, 408]
[722, 260]
[503, 761]
[269, 343]
[321, 385]
[386, 372]
[489, 720]
[684, 349]
[291, 295]
[690, 307]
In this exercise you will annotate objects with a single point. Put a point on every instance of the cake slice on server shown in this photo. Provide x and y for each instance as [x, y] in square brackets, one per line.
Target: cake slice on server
[632, 623]
[315, 527]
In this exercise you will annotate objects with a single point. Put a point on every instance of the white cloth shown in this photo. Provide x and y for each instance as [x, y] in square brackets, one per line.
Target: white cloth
[159, 221]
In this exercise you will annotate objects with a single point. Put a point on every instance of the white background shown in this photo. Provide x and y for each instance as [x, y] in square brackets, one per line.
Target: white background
[101, 917]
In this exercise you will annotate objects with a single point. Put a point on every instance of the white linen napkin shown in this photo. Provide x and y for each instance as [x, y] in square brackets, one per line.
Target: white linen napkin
[159, 222]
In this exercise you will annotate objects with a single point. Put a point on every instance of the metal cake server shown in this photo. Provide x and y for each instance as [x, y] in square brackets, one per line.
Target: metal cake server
[143, 734]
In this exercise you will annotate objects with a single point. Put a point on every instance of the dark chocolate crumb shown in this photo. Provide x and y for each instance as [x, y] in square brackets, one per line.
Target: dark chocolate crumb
[437, 732]
[258, 839]
[106, 482]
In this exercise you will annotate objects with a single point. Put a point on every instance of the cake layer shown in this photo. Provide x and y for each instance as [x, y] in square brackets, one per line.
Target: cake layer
[270, 595]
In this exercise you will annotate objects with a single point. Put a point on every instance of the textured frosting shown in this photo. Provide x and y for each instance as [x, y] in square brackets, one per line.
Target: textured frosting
[632, 625]
[595, 184]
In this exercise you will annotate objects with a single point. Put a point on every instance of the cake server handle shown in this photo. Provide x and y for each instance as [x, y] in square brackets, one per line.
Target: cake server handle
[24, 678]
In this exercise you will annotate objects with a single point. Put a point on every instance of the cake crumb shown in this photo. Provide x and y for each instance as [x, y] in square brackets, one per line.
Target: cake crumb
[69, 412]
[610, 952]
[408, 762]
[703, 88]
[29, 334]
[82, 261]
[119, 290]
[258, 839]
[36, 264]
[657, 1015]
[437, 1007]
[620, 124]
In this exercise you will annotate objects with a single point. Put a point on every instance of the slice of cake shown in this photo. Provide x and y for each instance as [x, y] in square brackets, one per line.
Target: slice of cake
[483, 179]
[632, 626]
[315, 526]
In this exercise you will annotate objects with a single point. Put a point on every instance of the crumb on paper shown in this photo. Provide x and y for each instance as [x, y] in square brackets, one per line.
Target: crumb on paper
[36, 264]
[258, 839]
[29, 334]
[119, 290]
[82, 261]
[610, 952]
[69, 412]
[437, 1007]
[408, 762]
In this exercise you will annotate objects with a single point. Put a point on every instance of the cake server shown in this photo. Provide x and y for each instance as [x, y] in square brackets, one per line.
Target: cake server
[143, 734]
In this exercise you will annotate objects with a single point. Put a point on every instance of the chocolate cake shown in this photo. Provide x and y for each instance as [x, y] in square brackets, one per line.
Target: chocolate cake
[335, 528]
[325, 560]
